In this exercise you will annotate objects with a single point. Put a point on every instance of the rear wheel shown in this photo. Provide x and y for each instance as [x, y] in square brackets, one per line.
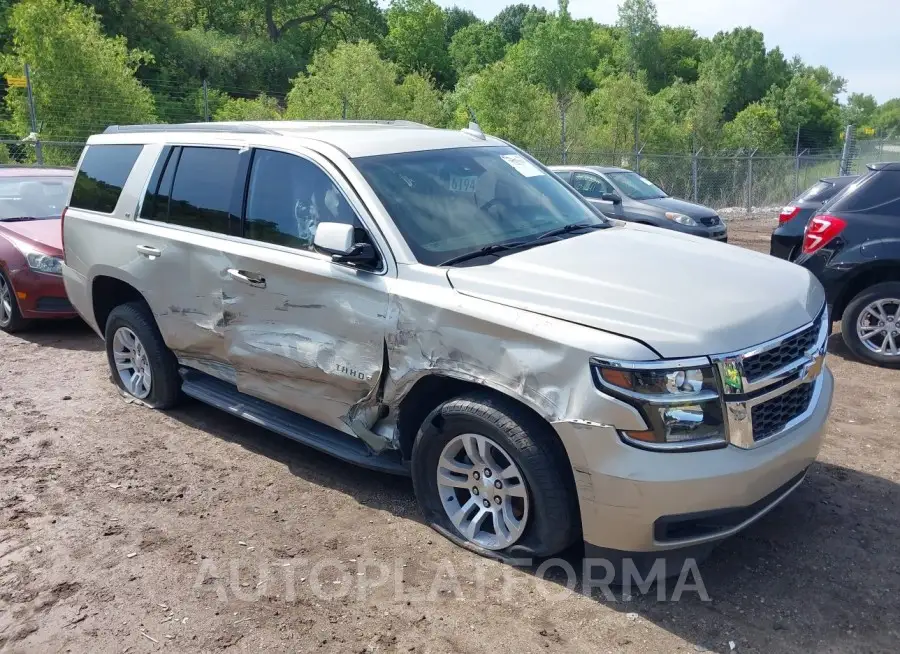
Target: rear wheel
[11, 319]
[492, 476]
[871, 324]
[142, 366]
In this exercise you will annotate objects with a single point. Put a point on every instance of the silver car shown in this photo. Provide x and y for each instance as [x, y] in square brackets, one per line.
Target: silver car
[435, 303]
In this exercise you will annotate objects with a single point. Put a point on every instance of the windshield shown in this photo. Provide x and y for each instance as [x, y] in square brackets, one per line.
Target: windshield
[451, 202]
[33, 197]
[636, 187]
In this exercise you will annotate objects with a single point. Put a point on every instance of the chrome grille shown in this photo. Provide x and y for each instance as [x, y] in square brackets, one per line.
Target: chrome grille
[772, 416]
[792, 348]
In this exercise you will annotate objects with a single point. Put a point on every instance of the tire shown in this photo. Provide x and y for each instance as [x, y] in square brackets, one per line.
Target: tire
[163, 389]
[551, 517]
[853, 314]
[11, 320]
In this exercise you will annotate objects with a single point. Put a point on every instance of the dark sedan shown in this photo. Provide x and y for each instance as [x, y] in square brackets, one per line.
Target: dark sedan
[787, 239]
[852, 245]
[623, 194]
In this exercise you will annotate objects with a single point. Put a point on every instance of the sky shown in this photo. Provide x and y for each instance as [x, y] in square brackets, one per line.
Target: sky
[859, 41]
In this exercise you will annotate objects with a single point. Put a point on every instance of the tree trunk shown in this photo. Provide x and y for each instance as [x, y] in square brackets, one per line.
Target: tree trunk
[271, 28]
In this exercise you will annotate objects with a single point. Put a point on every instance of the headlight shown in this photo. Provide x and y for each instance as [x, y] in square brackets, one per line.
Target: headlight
[681, 218]
[679, 401]
[44, 263]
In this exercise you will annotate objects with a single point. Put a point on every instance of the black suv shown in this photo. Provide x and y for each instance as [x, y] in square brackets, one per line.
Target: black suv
[853, 246]
[787, 239]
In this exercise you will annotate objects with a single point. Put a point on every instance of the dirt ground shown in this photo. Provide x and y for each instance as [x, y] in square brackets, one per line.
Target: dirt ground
[128, 530]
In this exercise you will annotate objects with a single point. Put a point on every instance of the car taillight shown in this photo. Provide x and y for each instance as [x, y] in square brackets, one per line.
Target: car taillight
[820, 230]
[787, 213]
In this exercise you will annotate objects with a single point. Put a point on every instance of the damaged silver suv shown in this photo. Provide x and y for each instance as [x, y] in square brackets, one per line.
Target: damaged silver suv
[437, 303]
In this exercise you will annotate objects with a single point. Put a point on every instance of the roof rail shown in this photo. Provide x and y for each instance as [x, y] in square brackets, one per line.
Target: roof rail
[233, 128]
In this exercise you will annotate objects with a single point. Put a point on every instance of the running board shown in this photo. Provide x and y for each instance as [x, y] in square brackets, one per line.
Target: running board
[226, 397]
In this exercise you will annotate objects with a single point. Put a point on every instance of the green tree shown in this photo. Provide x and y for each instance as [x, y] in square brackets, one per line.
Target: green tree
[456, 19]
[680, 50]
[756, 127]
[808, 105]
[419, 101]
[474, 47]
[263, 107]
[737, 62]
[351, 81]
[613, 107]
[507, 105]
[415, 39]
[556, 54]
[640, 38]
[887, 118]
[512, 20]
[860, 109]
[83, 80]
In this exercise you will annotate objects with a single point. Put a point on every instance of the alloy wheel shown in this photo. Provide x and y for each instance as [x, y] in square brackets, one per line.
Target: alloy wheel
[878, 327]
[482, 491]
[6, 308]
[132, 363]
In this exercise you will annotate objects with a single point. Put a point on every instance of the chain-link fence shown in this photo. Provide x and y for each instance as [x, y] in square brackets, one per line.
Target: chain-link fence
[721, 180]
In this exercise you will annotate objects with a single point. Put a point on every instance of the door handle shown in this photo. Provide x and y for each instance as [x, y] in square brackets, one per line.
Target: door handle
[251, 279]
[149, 251]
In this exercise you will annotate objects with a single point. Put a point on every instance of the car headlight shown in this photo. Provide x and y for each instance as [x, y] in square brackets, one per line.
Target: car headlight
[679, 400]
[45, 263]
[681, 219]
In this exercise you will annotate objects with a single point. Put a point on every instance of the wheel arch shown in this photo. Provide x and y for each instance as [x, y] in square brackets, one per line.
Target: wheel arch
[869, 275]
[435, 388]
[108, 292]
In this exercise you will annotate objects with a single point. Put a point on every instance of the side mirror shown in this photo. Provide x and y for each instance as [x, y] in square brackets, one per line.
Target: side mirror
[615, 198]
[337, 239]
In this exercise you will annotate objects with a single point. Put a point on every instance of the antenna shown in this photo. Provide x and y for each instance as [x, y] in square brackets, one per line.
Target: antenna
[474, 129]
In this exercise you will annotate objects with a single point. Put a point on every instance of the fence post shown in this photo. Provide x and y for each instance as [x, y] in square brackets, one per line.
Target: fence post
[750, 181]
[694, 175]
[637, 160]
[637, 152]
[797, 166]
[205, 101]
[38, 149]
[847, 152]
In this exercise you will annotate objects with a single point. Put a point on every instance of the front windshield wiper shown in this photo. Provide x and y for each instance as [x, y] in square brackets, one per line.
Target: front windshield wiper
[483, 252]
[567, 229]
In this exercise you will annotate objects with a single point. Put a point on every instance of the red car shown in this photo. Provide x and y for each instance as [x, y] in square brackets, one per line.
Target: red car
[31, 205]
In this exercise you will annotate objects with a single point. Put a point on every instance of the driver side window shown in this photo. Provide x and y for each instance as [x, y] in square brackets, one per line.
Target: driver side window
[591, 186]
[288, 197]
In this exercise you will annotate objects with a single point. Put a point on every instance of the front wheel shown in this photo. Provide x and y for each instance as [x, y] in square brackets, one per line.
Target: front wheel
[493, 477]
[871, 324]
[11, 319]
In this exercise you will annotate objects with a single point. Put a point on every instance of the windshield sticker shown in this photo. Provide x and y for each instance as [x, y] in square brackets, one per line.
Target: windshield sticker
[522, 165]
[463, 184]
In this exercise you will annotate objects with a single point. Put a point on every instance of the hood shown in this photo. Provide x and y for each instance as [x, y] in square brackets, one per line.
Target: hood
[681, 295]
[45, 234]
[681, 206]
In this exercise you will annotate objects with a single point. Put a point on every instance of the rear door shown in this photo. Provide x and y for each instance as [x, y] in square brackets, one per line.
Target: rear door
[304, 333]
[190, 209]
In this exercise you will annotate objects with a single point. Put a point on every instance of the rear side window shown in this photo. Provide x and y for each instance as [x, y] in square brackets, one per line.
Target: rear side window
[591, 186]
[876, 193]
[202, 189]
[103, 172]
[818, 193]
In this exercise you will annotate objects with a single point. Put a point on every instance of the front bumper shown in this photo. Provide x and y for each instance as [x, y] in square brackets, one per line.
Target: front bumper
[626, 494]
[41, 295]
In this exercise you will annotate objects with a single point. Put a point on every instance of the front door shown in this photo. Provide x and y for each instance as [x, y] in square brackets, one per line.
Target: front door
[593, 187]
[304, 333]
